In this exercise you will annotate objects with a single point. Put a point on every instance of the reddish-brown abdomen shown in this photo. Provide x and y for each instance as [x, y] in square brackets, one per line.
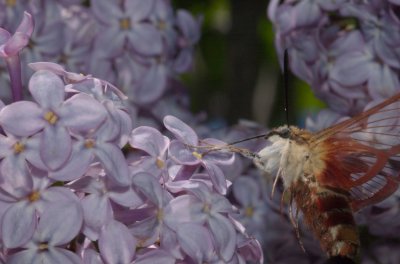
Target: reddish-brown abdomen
[328, 214]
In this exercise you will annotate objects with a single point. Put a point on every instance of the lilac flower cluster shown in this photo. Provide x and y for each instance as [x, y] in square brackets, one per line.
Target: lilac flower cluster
[69, 195]
[141, 46]
[80, 182]
[346, 50]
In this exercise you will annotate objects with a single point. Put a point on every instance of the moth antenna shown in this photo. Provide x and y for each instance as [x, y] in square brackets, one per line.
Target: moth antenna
[295, 224]
[246, 139]
[286, 83]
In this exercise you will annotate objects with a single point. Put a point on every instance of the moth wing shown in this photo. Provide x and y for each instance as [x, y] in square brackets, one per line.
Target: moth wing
[361, 155]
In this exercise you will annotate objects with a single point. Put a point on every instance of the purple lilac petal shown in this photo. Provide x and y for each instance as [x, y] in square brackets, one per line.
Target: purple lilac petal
[22, 118]
[251, 250]
[33, 256]
[68, 215]
[351, 69]
[382, 81]
[76, 166]
[139, 10]
[183, 209]
[116, 244]
[196, 241]
[113, 48]
[55, 195]
[146, 230]
[111, 127]
[152, 85]
[306, 13]
[14, 171]
[57, 69]
[145, 39]
[224, 235]
[149, 140]
[218, 157]
[114, 162]
[32, 146]
[189, 27]
[169, 242]
[181, 130]
[125, 196]
[4, 36]
[246, 191]
[81, 112]
[184, 60]
[56, 146]
[102, 7]
[149, 186]
[18, 224]
[97, 213]
[218, 203]
[217, 177]
[47, 89]
[155, 256]
[90, 256]
[181, 153]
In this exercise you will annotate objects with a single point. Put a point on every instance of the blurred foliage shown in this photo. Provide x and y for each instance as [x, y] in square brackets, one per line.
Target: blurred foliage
[212, 77]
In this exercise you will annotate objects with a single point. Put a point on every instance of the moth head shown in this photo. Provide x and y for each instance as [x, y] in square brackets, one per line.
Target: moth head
[269, 158]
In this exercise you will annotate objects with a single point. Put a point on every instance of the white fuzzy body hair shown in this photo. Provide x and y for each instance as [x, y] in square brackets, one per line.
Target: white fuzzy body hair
[284, 158]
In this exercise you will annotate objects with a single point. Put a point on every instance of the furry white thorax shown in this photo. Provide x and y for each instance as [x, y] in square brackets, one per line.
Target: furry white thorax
[283, 158]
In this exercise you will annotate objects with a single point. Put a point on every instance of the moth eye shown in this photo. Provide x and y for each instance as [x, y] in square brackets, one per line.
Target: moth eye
[285, 133]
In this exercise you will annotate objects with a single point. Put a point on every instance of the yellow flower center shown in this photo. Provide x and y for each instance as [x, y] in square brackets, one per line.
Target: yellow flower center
[11, 3]
[206, 208]
[34, 196]
[161, 25]
[18, 147]
[43, 246]
[89, 143]
[160, 214]
[160, 164]
[125, 23]
[51, 117]
[249, 211]
[197, 155]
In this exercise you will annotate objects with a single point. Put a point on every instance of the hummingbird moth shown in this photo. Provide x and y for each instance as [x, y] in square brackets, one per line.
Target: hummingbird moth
[335, 172]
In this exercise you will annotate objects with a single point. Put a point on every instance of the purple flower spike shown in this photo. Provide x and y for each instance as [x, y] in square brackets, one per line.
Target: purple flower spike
[10, 46]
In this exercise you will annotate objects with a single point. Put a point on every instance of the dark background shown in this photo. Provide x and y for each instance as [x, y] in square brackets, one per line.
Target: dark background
[236, 74]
